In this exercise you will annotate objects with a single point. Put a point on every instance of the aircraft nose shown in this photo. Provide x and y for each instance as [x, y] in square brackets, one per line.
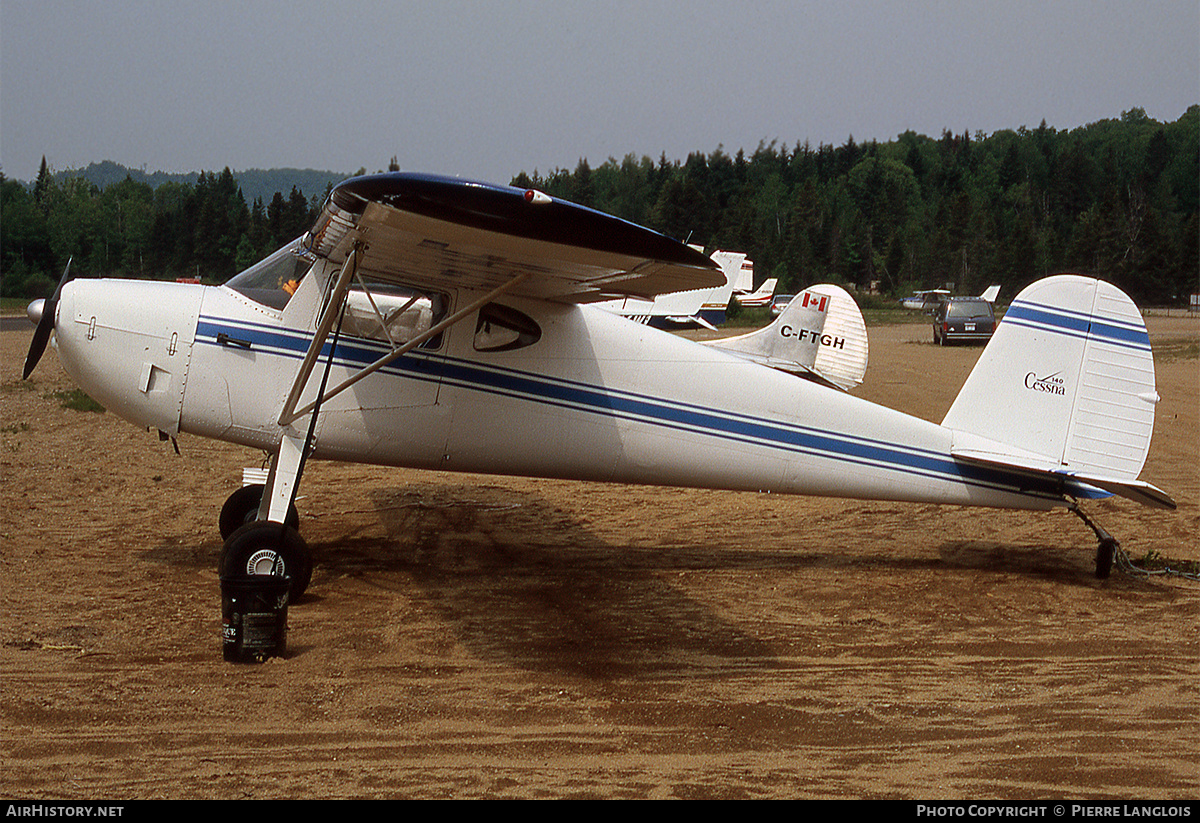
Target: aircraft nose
[127, 344]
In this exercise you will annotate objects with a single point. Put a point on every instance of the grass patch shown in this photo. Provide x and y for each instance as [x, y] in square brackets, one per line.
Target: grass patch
[1153, 561]
[740, 317]
[77, 400]
[894, 317]
[14, 305]
[1170, 351]
[17, 386]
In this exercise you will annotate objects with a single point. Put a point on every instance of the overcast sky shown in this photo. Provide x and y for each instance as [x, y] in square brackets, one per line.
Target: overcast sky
[487, 89]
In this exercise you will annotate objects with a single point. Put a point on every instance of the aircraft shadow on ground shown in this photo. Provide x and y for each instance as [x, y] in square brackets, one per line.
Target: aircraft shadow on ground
[520, 579]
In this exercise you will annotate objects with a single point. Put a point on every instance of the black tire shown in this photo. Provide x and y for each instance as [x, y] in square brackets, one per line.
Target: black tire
[253, 548]
[241, 508]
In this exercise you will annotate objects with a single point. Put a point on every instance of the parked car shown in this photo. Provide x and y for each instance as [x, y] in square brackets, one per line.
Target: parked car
[780, 302]
[967, 319]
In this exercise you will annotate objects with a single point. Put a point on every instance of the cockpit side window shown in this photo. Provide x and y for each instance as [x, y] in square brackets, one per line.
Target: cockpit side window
[273, 280]
[502, 328]
[393, 313]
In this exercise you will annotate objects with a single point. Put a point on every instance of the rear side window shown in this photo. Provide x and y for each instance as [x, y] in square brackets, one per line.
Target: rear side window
[501, 328]
[968, 309]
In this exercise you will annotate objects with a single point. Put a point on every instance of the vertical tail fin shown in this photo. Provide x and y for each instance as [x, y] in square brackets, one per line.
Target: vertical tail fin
[733, 263]
[760, 296]
[1066, 384]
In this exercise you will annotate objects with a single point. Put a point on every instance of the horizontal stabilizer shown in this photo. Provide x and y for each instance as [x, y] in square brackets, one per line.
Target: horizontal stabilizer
[1137, 490]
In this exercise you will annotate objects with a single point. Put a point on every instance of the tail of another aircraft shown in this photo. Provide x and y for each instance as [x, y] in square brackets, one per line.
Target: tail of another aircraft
[767, 289]
[821, 335]
[1064, 387]
[760, 296]
[738, 271]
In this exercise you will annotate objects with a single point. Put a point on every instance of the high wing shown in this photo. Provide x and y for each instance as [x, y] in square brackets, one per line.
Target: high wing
[448, 233]
[445, 232]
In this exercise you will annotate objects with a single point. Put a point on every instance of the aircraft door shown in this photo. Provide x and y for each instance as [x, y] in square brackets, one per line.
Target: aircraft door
[384, 316]
[392, 415]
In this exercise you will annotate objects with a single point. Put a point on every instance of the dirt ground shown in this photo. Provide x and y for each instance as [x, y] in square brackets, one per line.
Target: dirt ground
[485, 637]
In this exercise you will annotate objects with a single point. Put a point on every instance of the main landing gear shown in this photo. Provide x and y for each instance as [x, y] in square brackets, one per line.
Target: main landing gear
[242, 508]
[267, 547]
[260, 523]
[261, 528]
[252, 545]
[1107, 544]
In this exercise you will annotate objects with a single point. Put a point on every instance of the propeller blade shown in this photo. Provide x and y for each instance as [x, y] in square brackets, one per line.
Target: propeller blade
[41, 335]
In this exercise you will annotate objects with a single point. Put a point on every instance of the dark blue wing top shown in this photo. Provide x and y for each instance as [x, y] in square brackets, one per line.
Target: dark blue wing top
[450, 231]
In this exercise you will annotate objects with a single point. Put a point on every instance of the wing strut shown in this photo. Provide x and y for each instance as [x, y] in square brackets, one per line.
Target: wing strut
[290, 413]
[288, 463]
[336, 297]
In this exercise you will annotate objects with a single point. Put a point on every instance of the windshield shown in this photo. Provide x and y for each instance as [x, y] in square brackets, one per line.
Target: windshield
[273, 280]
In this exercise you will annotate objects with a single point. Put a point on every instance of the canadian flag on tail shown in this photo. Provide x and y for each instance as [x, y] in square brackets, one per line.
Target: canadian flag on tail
[816, 302]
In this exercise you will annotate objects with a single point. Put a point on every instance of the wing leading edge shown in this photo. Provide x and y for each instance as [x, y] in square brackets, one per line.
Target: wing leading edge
[450, 233]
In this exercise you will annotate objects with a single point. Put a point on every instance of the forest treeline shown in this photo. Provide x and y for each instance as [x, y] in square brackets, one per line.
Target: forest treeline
[204, 229]
[1118, 198]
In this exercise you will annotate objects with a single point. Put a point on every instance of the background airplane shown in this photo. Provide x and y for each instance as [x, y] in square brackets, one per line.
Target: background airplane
[742, 270]
[437, 323]
[760, 296]
[930, 299]
[699, 307]
[925, 300]
[820, 335]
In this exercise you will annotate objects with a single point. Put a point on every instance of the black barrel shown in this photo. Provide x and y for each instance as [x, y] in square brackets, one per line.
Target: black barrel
[254, 617]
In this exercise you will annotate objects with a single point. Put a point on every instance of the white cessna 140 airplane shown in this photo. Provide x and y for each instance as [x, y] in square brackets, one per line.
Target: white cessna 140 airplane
[443, 324]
